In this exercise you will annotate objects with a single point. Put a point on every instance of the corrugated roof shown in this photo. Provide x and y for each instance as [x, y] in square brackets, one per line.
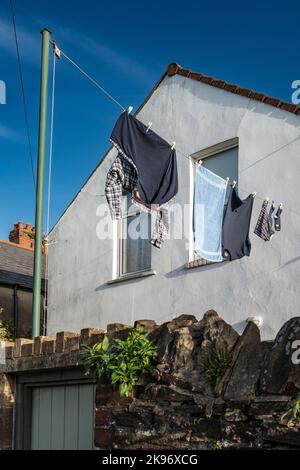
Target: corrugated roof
[16, 265]
[176, 69]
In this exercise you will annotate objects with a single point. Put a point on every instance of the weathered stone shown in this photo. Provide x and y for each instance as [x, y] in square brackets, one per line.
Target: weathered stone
[184, 351]
[234, 416]
[164, 393]
[113, 327]
[149, 325]
[48, 345]
[244, 377]
[282, 435]
[163, 335]
[139, 418]
[281, 367]
[18, 346]
[39, 347]
[248, 434]
[248, 342]
[9, 350]
[269, 404]
[72, 343]
[61, 338]
[91, 335]
[27, 349]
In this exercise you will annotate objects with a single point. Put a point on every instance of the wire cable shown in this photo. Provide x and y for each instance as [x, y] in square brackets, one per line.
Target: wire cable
[93, 81]
[45, 306]
[178, 150]
[23, 93]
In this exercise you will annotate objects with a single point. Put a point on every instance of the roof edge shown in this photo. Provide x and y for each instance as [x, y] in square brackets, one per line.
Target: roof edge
[176, 69]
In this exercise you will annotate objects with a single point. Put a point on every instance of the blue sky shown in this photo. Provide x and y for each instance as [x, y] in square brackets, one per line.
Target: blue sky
[126, 46]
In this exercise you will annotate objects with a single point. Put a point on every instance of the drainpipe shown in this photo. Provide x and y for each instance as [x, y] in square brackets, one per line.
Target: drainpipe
[16, 310]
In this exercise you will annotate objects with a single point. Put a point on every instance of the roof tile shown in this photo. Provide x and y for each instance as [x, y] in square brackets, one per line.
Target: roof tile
[175, 68]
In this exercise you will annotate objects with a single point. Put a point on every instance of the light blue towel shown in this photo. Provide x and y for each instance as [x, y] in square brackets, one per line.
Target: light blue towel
[209, 200]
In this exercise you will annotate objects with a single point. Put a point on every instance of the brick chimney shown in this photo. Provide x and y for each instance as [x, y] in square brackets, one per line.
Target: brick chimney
[23, 235]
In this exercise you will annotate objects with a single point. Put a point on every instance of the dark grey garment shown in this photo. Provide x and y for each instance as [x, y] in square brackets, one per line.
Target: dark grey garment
[272, 209]
[236, 224]
[152, 156]
[277, 218]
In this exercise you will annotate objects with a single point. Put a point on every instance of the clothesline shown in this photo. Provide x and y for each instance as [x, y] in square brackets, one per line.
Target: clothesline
[178, 150]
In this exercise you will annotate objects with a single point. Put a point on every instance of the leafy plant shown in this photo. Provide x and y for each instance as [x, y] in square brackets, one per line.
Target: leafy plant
[217, 445]
[125, 361]
[293, 413]
[31, 235]
[7, 329]
[218, 363]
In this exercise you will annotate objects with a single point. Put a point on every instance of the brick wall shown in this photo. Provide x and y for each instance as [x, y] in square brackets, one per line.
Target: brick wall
[21, 235]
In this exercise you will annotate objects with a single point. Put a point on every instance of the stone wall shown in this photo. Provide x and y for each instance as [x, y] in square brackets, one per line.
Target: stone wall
[179, 406]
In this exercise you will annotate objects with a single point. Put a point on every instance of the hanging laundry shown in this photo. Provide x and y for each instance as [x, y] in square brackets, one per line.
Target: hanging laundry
[277, 218]
[235, 234]
[271, 211]
[263, 228]
[209, 200]
[148, 170]
[161, 227]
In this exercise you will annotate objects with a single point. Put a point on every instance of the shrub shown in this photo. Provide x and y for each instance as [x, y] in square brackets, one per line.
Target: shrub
[218, 363]
[7, 329]
[293, 414]
[124, 361]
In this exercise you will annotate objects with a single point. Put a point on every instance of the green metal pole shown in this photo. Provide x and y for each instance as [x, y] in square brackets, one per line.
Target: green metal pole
[39, 207]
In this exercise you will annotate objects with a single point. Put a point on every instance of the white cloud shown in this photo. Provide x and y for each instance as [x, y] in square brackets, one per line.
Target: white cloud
[28, 43]
[123, 64]
[7, 133]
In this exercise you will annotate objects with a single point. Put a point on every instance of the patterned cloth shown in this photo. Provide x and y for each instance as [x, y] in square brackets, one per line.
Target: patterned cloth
[122, 176]
[161, 227]
[263, 228]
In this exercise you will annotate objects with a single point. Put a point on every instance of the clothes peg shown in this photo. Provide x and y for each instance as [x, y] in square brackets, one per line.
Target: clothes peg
[254, 194]
[267, 199]
[173, 145]
[56, 50]
[129, 109]
[280, 205]
[149, 126]
[227, 179]
[233, 183]
[200, 162]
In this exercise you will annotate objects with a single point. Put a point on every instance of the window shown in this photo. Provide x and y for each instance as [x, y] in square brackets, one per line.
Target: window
[134, 237]
[221, 159]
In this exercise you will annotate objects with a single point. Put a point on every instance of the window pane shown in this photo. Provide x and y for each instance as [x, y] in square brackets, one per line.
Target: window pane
[136, 248]
[224, 164]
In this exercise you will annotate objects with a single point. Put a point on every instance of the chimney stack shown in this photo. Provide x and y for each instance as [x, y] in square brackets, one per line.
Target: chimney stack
[22, 235]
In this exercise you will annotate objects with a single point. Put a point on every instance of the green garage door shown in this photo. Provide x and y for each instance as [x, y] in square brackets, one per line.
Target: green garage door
[63, 417]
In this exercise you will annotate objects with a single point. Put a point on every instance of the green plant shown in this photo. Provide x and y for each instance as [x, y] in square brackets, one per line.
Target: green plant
[293, 414]
[125, 361]
[218, 363]
[217, 445]
[7, 329]
[31, 235]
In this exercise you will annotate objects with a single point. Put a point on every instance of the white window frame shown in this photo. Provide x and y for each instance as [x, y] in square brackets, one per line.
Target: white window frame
[120, 240]
[194, 260]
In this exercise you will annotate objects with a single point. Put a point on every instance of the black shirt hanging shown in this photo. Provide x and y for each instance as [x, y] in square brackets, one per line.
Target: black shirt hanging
[152, 156]
[236, 224]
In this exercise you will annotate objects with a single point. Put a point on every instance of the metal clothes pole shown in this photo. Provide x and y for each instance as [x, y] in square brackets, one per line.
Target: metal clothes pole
[39, 208]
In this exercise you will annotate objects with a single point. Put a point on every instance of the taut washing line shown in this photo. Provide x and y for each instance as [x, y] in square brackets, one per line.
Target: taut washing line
[58, 52]
[49, 184]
